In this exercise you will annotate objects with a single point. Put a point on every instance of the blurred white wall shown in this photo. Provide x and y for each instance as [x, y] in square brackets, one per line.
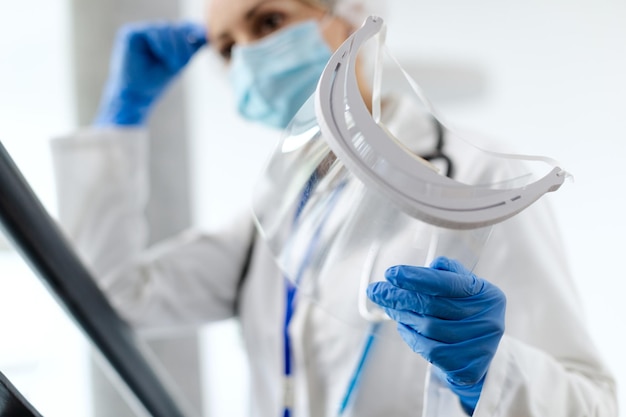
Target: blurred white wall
[54, 58]
[42, 352]
[546, 76]
[94, 26]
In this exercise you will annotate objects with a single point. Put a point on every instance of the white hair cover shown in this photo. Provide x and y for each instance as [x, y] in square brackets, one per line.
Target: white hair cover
[355, 11]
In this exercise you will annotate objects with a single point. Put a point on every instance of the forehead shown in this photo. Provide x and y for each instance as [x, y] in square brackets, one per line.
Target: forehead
[223, 15]
[223, 9]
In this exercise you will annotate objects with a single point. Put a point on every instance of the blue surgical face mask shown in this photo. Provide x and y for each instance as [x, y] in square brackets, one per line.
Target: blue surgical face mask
[273, 77]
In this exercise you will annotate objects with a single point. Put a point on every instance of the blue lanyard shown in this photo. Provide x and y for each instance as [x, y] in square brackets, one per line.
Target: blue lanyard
[356, 375]
[290, 304]
[288, 388]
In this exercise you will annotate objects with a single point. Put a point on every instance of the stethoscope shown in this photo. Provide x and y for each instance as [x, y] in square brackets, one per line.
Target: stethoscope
[290, 296]
[437, 153]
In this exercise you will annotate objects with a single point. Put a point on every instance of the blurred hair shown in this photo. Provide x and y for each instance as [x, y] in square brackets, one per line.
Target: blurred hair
[354, 11]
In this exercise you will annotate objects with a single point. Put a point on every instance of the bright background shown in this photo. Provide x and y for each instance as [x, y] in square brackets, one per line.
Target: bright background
[546, 76]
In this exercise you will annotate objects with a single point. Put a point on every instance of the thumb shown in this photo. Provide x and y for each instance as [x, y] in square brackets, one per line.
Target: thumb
[196, 34]
[176, 44]
[442, 263]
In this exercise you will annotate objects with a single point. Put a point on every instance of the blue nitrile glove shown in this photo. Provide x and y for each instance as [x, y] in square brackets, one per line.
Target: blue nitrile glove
[449, 316]
[145, 58]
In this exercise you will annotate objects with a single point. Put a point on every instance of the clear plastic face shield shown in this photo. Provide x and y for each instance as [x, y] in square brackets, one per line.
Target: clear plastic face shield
[349, 193]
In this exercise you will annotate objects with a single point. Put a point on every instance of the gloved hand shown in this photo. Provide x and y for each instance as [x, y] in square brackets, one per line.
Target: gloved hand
[449, 316]
[145, 58]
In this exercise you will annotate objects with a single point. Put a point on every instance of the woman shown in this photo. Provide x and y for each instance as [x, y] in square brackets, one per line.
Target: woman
[542, 364]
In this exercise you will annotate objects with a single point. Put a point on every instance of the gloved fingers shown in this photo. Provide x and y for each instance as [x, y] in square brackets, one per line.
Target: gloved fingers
[463, 363]
[435, 282]
[145, 59]
[160, 44]
[446, 264]
[388, 295]
[446, 331]
[196, 34]
[175, 44]
[420, 344]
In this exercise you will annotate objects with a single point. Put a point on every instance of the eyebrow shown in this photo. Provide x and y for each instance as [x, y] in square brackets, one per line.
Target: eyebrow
[249, 15]
[254, 8]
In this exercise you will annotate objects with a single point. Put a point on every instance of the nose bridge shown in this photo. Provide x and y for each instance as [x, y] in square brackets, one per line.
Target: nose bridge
[244, 36]
[238, 34]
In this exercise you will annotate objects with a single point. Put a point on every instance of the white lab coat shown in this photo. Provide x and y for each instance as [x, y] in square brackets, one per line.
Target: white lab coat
[545, 365]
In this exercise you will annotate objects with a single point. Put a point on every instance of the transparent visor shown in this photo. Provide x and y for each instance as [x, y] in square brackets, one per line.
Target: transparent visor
[349, 192]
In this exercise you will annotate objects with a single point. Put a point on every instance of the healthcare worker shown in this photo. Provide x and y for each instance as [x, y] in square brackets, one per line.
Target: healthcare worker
[507, 339]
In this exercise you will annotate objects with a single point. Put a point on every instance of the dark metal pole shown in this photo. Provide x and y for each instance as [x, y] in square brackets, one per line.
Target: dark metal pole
[41, 242]
[12, 402]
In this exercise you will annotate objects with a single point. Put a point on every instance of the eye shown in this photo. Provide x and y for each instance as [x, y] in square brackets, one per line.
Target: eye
[225, 50]
[268, 23]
